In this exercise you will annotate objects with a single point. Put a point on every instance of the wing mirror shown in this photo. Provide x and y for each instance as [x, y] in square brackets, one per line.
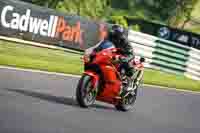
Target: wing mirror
[142, 59]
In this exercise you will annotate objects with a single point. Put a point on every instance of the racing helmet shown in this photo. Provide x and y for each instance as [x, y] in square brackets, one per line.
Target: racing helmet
[117, 31]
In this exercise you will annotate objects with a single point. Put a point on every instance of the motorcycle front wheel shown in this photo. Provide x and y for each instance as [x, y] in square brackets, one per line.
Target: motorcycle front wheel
[85, 94]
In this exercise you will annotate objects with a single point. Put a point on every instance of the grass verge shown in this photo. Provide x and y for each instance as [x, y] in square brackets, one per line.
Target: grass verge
[25, 56]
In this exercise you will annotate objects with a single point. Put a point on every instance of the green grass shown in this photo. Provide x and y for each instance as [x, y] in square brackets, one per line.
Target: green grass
[25, 56]
[170, 80]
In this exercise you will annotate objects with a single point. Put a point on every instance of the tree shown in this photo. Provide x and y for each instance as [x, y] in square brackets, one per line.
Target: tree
[182, 14]
[94, 9]
[46, 3]
[176, 12]
[119, 20]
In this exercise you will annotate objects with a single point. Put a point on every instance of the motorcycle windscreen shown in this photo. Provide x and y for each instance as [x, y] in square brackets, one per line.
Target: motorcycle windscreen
[91, 49]
[105, 45]
[99, 47]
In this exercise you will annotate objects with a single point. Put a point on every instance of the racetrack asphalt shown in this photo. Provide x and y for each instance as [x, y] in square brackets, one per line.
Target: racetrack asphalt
[32, 102]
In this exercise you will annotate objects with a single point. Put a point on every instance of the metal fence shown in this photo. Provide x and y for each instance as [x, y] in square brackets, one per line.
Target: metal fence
[166, 55]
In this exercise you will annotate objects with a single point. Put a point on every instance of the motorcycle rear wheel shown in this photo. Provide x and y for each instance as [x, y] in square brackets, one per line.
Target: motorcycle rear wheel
[85, 94]
[122, 106]
[127, 103]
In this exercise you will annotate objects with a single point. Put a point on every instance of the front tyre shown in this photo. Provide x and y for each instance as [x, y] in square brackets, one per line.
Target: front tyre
[85, 94]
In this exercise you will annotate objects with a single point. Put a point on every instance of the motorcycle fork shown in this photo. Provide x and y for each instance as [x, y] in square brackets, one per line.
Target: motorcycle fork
[95, 79]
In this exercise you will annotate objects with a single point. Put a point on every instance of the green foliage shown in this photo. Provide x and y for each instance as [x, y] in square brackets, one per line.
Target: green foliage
[183, 12]
[119, 4]
[88, 8]
[119, 20]
[195, 29]
[175, 13]
[47, 3]
[135, 27]
[68, 7]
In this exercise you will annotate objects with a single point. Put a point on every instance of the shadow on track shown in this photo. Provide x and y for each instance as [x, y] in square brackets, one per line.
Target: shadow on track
[55, 99]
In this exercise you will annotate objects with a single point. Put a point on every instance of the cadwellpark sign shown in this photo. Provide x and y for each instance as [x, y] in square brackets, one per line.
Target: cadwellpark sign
[51, 27]
[73, 31]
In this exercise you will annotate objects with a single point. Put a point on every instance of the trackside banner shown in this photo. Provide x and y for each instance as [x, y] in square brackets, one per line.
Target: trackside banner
[34, 23]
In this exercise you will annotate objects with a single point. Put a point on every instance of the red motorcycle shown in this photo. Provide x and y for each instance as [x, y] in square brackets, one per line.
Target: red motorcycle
[103, 80]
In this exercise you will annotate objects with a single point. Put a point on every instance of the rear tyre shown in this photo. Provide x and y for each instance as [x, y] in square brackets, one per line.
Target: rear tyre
[85, 94]
[128, 99]
[127, 103]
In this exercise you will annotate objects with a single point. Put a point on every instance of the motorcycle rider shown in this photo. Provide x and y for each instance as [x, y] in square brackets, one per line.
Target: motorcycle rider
[118, 38]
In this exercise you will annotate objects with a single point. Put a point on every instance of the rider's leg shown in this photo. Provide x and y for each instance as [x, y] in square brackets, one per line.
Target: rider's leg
[128, 70]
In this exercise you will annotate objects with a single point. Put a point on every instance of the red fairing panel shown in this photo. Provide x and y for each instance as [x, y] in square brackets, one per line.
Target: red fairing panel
[112, 86]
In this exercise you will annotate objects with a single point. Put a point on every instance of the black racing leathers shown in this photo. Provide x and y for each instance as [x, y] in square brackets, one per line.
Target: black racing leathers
[126, 50]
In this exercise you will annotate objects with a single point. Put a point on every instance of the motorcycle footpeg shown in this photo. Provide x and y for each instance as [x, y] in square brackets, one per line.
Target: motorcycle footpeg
[131, 92]
[130, 88]
[118, 97]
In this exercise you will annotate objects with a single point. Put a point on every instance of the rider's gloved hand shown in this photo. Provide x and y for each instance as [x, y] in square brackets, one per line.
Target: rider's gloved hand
[123, 60]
